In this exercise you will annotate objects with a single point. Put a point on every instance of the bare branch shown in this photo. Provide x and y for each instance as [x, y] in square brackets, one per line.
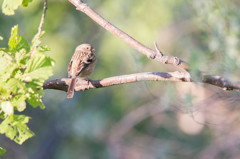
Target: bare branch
[83, 7]
[81, 85]
[40, 27]
[221, 82]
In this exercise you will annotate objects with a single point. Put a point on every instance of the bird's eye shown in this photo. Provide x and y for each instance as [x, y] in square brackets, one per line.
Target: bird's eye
[87, 47]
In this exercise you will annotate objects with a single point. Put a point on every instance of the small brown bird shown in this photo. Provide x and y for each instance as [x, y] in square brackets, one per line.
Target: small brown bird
[82, 64]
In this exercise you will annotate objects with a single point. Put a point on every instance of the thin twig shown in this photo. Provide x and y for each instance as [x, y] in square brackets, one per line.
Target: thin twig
[157, 49]
[83, 7]
[42, 19]
[33, 51]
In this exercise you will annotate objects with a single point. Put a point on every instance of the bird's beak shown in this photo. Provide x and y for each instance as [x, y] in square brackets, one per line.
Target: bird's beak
[93, 49]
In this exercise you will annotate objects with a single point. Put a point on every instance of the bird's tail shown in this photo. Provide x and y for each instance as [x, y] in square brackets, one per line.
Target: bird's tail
[70, 91]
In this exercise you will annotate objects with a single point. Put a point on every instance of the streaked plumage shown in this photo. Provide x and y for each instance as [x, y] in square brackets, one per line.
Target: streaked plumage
[82, 64]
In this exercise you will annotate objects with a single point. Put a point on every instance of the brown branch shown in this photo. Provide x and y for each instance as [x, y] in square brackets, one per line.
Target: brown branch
[221, 82]
[81, 85]
[159, 56]
[40, 27]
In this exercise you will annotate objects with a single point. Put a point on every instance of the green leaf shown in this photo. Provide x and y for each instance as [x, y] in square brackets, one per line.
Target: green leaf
[35, 99]
[36, 39]
[7, 128]
[21, 57]
[7, 66]
[9, 6]
[20, 118]
[7, 107]
[3, 93]
[40, 73]
[43, 48]
[6, 73]
[19, 102]
[15, 128]
[39, 67]
[25, 2]
[23, 133]
[15, 86]
[2, 151]
[17, 42]
[21, 106]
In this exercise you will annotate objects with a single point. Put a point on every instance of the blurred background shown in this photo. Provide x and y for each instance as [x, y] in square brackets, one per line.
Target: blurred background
[146, 120]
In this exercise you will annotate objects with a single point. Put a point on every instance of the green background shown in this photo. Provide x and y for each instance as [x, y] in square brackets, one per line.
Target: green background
[141, 120]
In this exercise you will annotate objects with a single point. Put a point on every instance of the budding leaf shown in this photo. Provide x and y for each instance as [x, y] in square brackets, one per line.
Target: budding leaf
[17, 42]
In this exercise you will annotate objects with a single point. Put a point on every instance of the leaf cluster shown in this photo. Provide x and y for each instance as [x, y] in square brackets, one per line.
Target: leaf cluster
[21, 80]
[9, 6]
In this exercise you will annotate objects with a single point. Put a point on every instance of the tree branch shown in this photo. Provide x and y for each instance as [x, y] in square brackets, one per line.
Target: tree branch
[81, 85]
[159, 56]
[221, 82]
[40, 27]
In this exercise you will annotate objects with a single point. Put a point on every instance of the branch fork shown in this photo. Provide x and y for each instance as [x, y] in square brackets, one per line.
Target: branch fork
[165, 58]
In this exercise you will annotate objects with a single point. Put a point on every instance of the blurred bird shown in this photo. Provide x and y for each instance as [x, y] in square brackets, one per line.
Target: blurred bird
[82, 64]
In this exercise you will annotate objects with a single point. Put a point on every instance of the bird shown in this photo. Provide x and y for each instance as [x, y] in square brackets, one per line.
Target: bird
[82, 65]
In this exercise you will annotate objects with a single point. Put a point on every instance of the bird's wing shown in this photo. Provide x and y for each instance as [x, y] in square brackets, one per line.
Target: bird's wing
[74, 63]
[80, 62]
[83, 64]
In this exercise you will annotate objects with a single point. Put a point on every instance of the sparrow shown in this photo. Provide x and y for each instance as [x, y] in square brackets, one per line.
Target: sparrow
[82, 64]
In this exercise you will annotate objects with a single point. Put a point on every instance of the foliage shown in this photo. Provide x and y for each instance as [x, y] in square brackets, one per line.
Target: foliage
[21, 80]
[9, 6]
